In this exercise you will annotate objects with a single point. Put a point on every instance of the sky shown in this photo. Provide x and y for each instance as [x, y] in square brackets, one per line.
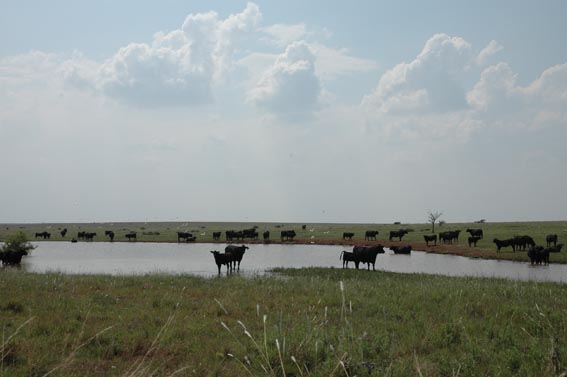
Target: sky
[318, 111]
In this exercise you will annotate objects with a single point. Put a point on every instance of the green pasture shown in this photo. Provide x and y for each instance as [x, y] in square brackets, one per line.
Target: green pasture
[314, 232]
[307, 322]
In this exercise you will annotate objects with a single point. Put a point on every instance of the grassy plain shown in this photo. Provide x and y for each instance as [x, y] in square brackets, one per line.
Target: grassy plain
[319, 233]
[307, 322]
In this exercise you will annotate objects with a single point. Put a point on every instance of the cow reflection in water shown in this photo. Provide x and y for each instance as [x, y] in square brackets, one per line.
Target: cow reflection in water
[362, 254]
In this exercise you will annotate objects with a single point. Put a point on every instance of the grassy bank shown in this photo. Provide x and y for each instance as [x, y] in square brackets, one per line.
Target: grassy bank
[319, 233]
[376, 324]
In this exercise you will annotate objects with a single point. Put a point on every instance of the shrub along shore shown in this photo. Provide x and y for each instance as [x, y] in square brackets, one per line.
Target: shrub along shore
[317, 233]
[305, 322]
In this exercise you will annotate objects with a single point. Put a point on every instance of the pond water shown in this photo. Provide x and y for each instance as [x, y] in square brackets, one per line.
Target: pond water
[172, 258]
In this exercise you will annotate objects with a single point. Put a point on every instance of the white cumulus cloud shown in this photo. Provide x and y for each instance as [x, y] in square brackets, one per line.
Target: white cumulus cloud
[290, 87]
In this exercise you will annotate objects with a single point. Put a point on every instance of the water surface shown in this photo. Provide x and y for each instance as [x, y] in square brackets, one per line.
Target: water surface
[171, 258]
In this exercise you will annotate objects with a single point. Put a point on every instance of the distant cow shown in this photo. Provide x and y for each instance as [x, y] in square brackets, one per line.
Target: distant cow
[221, 259]
[505, 243]
[367, 255]
[473, 240]
[398, 234]
[131, 236]
[449, 236]
[12, 257]
[370, 235]
[555, 249]
[266, 235]
[81, 235]
[431, 238]
[64, 232]
[237, 253]
[348, 236]
[347, 256]
[476, 233]
[44, 235]
[522, 242]
[538, 255]
[551, 239]
[401, 249]
[216, 236]
[287, 235]
[89, 236]
[109, 234]
[183, 236]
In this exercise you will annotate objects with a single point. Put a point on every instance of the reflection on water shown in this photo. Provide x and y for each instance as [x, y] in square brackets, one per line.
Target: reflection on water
[171, 258]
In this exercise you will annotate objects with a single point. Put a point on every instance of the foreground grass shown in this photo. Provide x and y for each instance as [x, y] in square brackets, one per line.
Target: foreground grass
[309, 322]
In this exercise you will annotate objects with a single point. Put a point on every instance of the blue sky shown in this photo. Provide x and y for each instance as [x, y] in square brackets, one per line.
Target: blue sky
[295, 111]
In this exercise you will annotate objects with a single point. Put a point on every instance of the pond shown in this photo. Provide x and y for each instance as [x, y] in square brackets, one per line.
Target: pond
[172, 258]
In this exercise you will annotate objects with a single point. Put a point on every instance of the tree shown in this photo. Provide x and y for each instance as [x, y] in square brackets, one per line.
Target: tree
[17, 242]
[432, 218]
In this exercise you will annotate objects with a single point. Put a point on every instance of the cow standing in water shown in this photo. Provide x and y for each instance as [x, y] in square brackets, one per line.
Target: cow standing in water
[237, 253]
[367, 255]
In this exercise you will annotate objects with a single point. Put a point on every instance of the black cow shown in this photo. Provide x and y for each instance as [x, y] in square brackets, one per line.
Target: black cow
[44, 235]
[64, 232]
[555, 249]
[221, 259]
[131, 236]
[504, 243]
[110, 235]
[538, 255]
[551, 239]
[12, 257]
[446, 237]
[348, 235]
[473, 240]
[432, 238]
[250, 233]
[216, 236]
[398, 234]
[288, 235]
[347, 256]
[521, 242]
[89, 236]
[476, 233]
[237, 252]
[266, 235]
[81, 235]
[183, 236]
[401, 249]
[367, 254]
[370, 235]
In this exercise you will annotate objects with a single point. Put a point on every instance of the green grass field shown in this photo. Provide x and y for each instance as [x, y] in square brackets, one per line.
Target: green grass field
[308, 322]
[317, 233]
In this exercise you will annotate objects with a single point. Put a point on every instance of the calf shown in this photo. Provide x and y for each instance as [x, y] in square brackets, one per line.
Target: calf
[131, 236]
[221, 259]
[347, 256]
[473, 240]
[216, 236]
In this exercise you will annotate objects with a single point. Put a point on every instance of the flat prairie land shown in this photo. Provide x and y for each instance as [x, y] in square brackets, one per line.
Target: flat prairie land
[304, 322]
[320, 233]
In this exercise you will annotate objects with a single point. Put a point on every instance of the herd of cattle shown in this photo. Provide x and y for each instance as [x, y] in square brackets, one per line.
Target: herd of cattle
[360, 254]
